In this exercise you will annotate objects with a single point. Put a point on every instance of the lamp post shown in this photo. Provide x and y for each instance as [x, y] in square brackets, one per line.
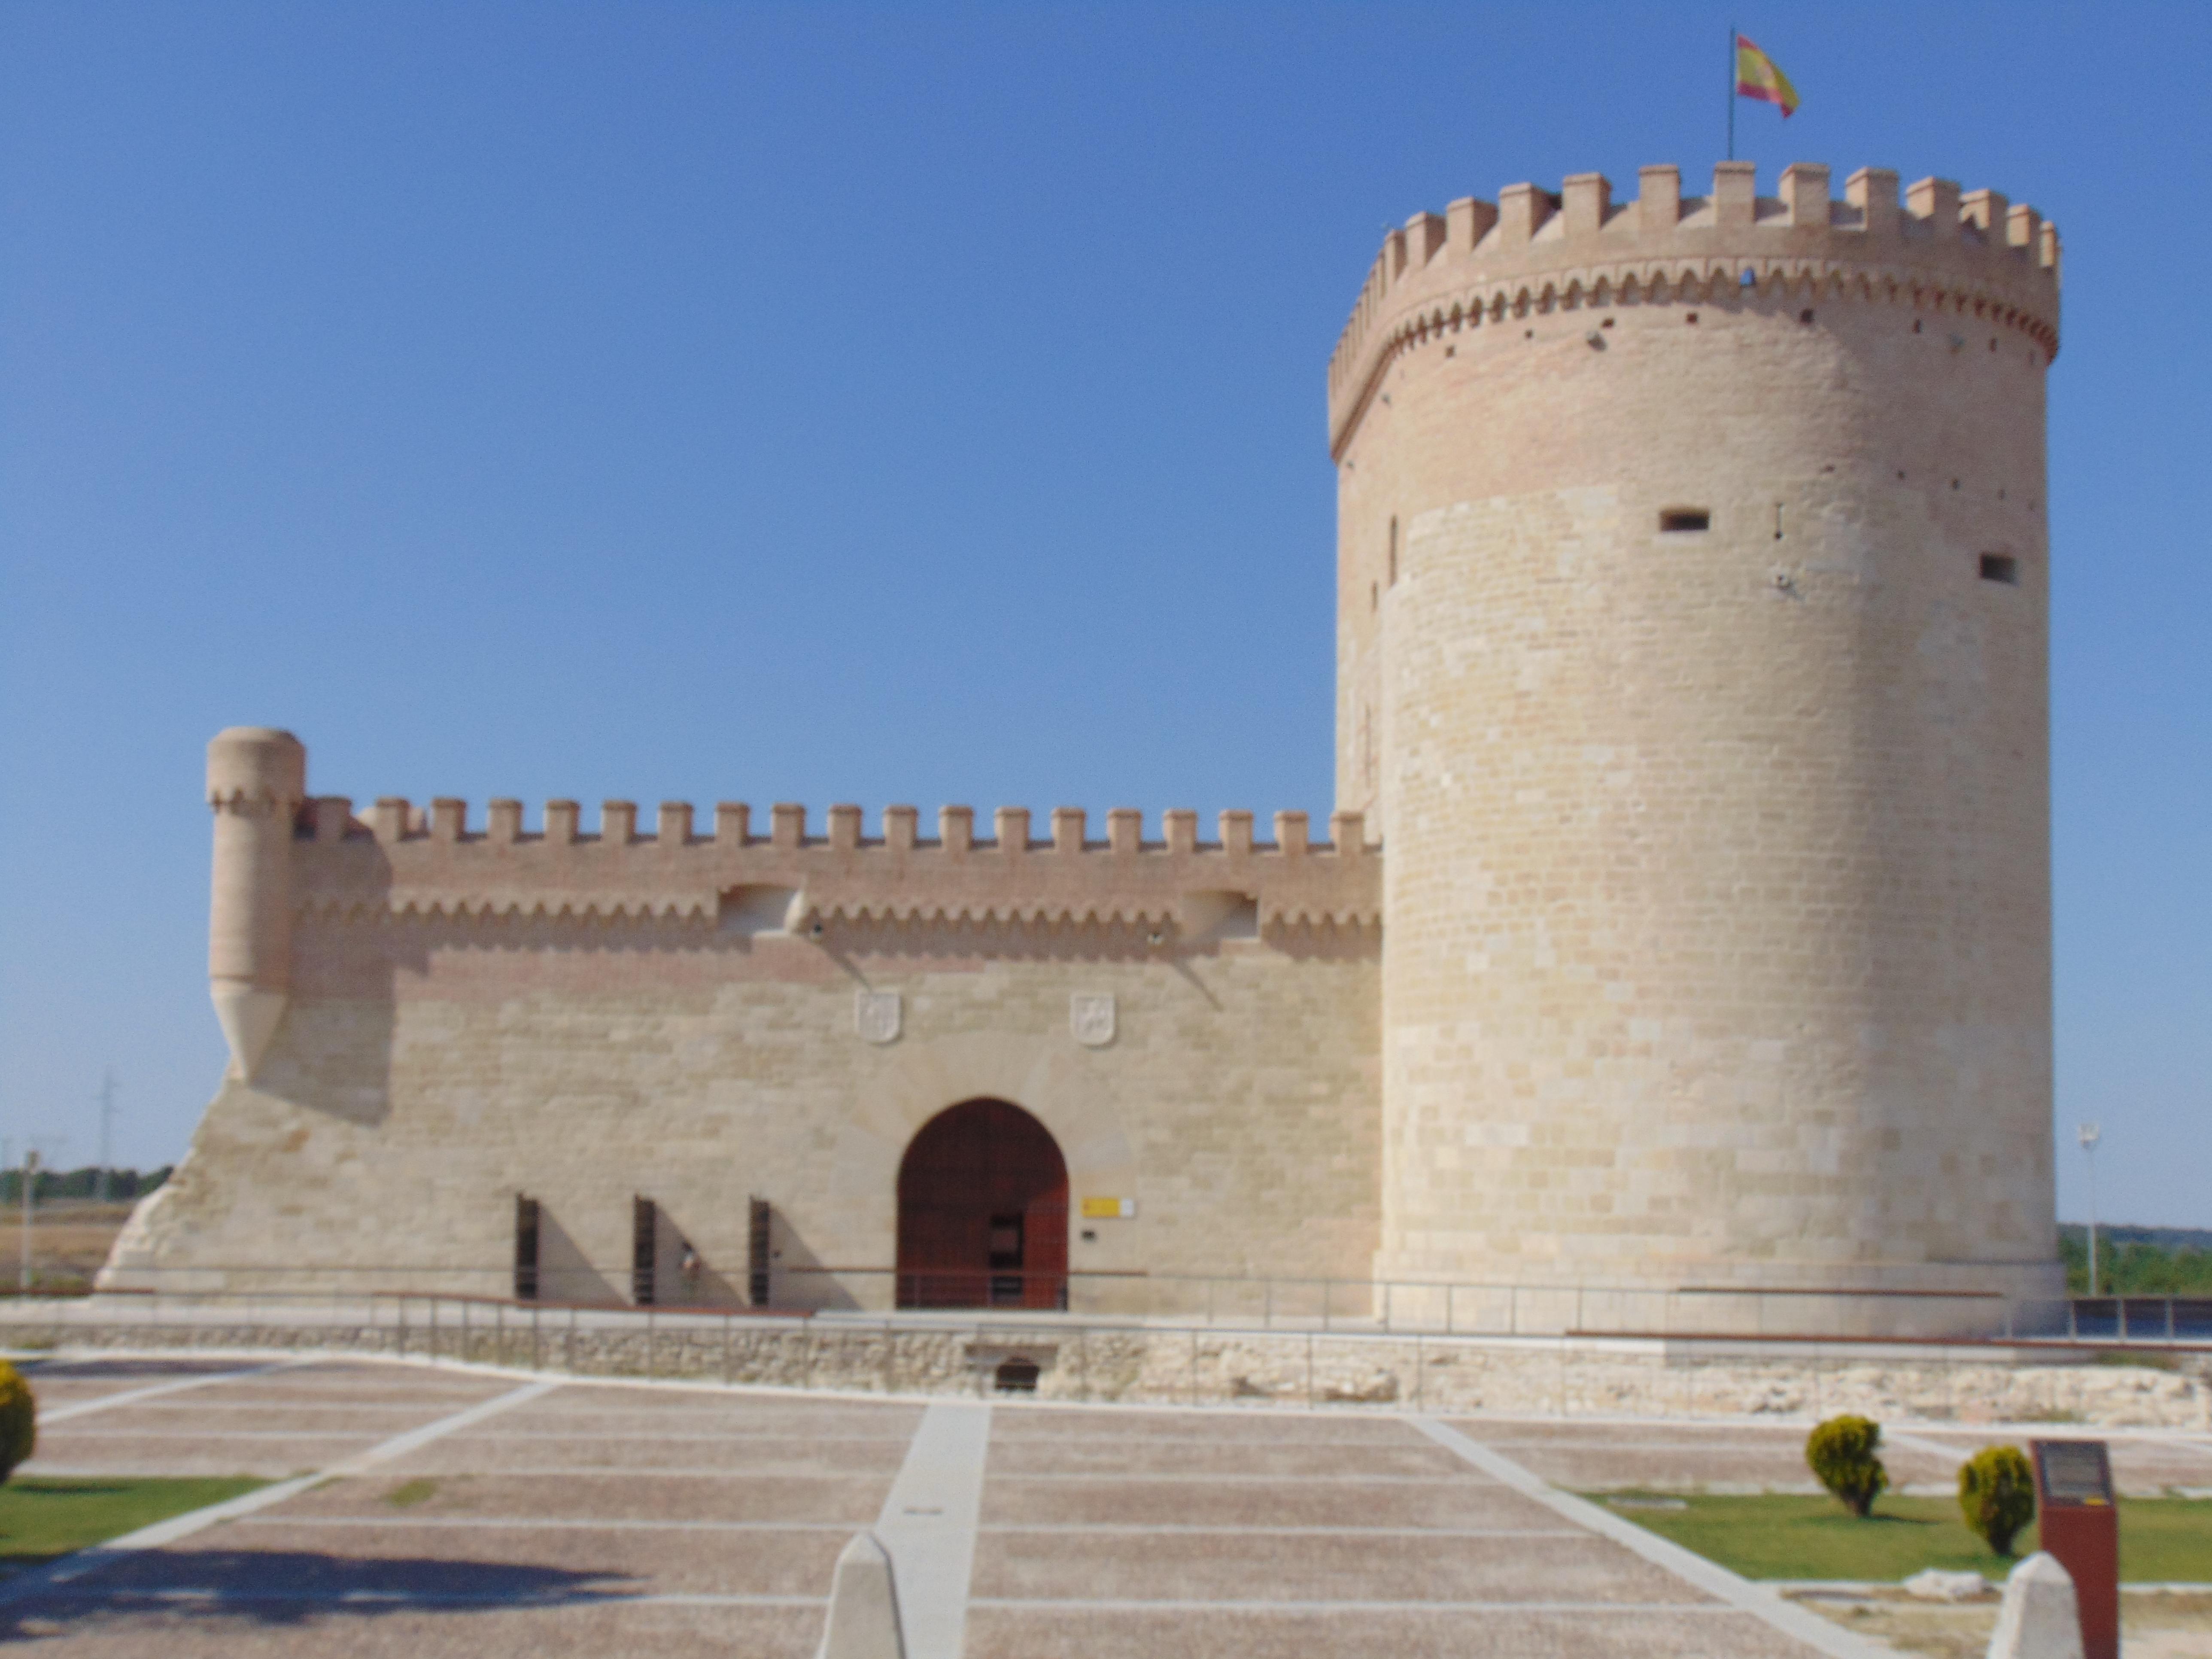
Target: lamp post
[30, 1182]
[2090, 1134]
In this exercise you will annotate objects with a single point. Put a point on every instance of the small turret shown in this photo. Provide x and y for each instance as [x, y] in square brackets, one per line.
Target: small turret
[257, 779]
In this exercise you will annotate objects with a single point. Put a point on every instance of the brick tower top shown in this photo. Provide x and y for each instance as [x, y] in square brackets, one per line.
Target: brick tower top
[1535, 250]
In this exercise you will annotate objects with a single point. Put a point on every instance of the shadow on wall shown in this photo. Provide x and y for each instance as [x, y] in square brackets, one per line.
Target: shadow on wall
[565, 1274]
[349, 1042]
[799, 1280]
[332, 1052]
[683, 1277]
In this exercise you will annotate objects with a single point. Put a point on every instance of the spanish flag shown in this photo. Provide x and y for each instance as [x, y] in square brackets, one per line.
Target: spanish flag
[1757, 78]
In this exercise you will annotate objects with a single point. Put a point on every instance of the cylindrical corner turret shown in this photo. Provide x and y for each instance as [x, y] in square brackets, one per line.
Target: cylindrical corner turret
[1691, 637]
[257, 781]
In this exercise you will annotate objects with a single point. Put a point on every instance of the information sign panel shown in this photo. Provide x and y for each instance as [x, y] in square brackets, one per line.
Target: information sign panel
[2080, 1524]
[2073, 1472]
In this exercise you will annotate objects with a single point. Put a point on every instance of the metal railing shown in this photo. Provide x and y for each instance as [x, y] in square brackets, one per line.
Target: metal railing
[1239, 1302]
[2130, 1320]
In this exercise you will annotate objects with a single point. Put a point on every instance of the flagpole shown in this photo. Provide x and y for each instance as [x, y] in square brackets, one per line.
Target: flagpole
[1731, 93]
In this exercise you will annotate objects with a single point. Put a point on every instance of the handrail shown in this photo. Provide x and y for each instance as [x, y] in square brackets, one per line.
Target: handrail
[1235, 1301]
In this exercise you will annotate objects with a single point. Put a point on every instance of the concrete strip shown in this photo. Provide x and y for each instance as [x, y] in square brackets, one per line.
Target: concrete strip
[1151, 1530]
[928, 1526]
[351, 1407]
[400, 1444]
[1978, 1435]
[2190, 1439]
[219, 1434]
[1225, 1478]
[1081, 1604]
[132, 1396]
[780, 1437]
[1847, 1586]
[602, 1472]
[1805, 1627]
[399, 1518]
[1922, 1443]
[596, 1472]
[82, 1562]
[1792, 1447]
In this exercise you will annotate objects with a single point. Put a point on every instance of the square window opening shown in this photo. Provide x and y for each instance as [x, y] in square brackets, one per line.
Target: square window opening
[2001, 567]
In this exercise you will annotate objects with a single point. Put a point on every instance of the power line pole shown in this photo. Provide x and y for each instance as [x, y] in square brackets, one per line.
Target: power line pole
[30, 1181]
[30, 1162]
[107, 1130]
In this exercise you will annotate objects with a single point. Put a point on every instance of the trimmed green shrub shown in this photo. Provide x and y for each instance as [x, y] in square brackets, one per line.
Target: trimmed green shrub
[1842, 1451]
[1996, 1490]
[19, 1420]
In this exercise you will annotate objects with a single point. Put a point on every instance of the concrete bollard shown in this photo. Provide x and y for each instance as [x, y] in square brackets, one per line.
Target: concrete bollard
[863, 1615]
[2039, 1618]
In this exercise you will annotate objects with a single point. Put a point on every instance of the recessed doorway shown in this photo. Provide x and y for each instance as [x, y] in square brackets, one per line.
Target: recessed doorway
[983, 1211]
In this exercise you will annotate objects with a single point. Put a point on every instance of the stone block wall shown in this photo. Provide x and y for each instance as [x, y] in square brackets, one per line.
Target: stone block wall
[429, 1070]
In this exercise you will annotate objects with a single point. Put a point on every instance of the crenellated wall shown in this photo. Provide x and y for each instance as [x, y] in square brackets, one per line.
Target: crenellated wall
[403, 860]
[714, 1012]
[1535, 251]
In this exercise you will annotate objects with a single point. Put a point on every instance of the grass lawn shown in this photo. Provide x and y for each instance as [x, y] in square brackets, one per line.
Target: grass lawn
[41, 1518]
[2162, 1539]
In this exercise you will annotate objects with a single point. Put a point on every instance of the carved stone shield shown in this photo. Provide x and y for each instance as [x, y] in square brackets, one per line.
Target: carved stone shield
[876, 1015]
[1091, 1019]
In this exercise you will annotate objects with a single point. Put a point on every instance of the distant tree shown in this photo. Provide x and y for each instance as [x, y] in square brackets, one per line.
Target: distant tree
[2134, 1266]
[123, 1184]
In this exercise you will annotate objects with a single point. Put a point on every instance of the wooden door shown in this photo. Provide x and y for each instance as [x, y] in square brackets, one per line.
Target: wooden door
[982, 1197]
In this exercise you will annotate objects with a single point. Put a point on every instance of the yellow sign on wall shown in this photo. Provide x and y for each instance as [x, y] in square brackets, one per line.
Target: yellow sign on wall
[1110, 1209]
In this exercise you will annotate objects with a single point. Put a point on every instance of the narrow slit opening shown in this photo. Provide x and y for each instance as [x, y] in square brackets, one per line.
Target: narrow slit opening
[1673, 520]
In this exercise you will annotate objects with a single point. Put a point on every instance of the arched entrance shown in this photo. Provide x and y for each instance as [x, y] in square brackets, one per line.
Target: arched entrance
[983, 1211]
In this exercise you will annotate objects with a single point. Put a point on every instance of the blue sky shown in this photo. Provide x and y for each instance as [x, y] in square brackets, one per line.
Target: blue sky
[915, 404]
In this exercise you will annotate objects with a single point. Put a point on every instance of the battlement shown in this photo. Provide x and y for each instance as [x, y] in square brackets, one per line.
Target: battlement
[779, 878]
[1534, 250]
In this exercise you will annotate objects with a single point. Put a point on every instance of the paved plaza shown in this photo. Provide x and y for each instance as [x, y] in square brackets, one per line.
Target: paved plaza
[423, 1510]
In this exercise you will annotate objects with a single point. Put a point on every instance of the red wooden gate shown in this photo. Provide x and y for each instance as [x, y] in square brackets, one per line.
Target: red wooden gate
[982, 1197]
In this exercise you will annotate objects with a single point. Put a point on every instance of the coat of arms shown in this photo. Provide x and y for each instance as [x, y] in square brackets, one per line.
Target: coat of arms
[876, 1015]
[1090, 1018]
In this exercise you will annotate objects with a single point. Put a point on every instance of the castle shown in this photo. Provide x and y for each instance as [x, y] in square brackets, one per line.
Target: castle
[1684, 921]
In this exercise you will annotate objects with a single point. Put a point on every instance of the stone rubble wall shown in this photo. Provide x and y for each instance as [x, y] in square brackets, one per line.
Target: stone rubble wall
[1130, 1365]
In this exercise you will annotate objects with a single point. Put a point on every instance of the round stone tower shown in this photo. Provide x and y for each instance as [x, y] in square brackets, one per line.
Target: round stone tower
[1693, 584]
[257, 778]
